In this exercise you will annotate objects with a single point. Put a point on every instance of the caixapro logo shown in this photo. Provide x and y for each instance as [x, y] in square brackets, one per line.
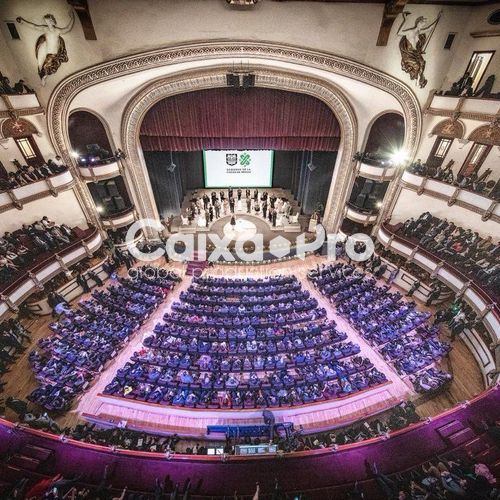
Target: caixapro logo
[183, 247]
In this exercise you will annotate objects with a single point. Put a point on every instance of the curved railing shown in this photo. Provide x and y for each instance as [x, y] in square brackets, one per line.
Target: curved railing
[452, 194]
[357, 215]
[469, 107]
[119, 219]
[320, 472]
[100, 171]
[377, 171]
[34, 277]
[51, 185]
[481, 301]
[22, 104]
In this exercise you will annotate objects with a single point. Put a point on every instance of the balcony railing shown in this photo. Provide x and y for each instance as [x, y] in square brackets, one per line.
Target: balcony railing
[377, 171]
[51, 185]
[340, 466]
[119, 219]
[23, 104]
[101, 170]
[357, 215]
[481, 301]
[34, 277]
[453, 194]
[474, 108]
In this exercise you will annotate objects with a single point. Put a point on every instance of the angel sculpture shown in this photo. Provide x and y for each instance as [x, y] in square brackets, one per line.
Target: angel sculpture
[412, 46]
[50, 49]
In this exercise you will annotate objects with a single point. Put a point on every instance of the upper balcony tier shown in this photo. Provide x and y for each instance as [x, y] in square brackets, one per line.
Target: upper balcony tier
[51, 185]
[42, 271]
[357, 215]
[100, 170]
[474, 108]
[482, 302]
[377, 171]
[476, 202]
[119, 219]
[335, 470]
[22, 104]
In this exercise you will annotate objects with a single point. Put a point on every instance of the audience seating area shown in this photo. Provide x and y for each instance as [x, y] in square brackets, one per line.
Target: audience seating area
[391, 324]
[245, 344]
[474, 256]
[88, 337]
[25, 248]
[454, 455]
[473, 182]
[28, 174]
[13, 337]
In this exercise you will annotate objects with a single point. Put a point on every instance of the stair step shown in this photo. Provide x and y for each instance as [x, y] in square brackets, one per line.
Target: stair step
[42, 454]
[462, 436]
[489, 456]
[476, 446]
[24, 462]
[450, 428]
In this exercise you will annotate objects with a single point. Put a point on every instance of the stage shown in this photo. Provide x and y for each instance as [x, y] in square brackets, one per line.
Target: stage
[197, 217]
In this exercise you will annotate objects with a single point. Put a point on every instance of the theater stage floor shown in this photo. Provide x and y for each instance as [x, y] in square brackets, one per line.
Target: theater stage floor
[467, 378]
[261, 225]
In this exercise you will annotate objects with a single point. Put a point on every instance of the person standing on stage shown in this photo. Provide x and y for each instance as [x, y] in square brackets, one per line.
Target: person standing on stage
[231, 204]
[264, 209]
[247, 193]
[239, 194]
[249, 204]
[217, 209]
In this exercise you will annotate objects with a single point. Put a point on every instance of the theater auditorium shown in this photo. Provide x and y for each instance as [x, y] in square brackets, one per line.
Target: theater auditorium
[249, 249]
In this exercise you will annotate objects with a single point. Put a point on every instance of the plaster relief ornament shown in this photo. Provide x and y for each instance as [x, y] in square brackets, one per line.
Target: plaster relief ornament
[412, 44]
[50, 49]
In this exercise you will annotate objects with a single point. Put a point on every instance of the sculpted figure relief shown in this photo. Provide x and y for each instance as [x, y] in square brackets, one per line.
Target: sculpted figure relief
[412, 44]
[50, 49]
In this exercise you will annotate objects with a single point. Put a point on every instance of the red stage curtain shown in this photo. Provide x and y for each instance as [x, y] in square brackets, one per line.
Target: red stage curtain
[225, 118]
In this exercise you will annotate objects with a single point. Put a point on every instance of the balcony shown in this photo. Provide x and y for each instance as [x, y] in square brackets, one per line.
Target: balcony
[24, 194]
[474, 108]
[484, 304]
[119, 219]
[377, 172]
[41, 272]
[104, 169]
[476, 202]
[22, 104]
[362, 217]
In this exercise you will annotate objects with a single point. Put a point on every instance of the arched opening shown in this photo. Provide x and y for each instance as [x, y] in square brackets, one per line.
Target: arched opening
[88, 137]
[386, 137]
[92, 147]
[300, 131]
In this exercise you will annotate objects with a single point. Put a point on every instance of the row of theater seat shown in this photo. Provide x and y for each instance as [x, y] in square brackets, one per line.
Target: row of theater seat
[392, 325]
[90, 336]
[265, 343]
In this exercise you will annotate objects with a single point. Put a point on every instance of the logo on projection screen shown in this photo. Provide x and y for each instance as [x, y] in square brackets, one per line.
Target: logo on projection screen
[231, 159]
[245, 159]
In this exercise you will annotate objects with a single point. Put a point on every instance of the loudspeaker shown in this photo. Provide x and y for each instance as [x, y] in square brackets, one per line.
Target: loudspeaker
[232, 80]
[248, 81]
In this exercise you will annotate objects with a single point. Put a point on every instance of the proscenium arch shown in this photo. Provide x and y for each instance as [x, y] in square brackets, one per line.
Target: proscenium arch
[163, 88]
[203, 51]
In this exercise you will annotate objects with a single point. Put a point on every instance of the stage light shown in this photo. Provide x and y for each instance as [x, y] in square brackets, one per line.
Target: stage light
[399, 157]
[74, 154]
[378, 204]
[99, 208]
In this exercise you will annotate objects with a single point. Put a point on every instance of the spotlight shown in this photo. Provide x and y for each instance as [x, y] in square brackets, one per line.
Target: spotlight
[74, 154]
[378, 204]
[399, 157]
[100, 209]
